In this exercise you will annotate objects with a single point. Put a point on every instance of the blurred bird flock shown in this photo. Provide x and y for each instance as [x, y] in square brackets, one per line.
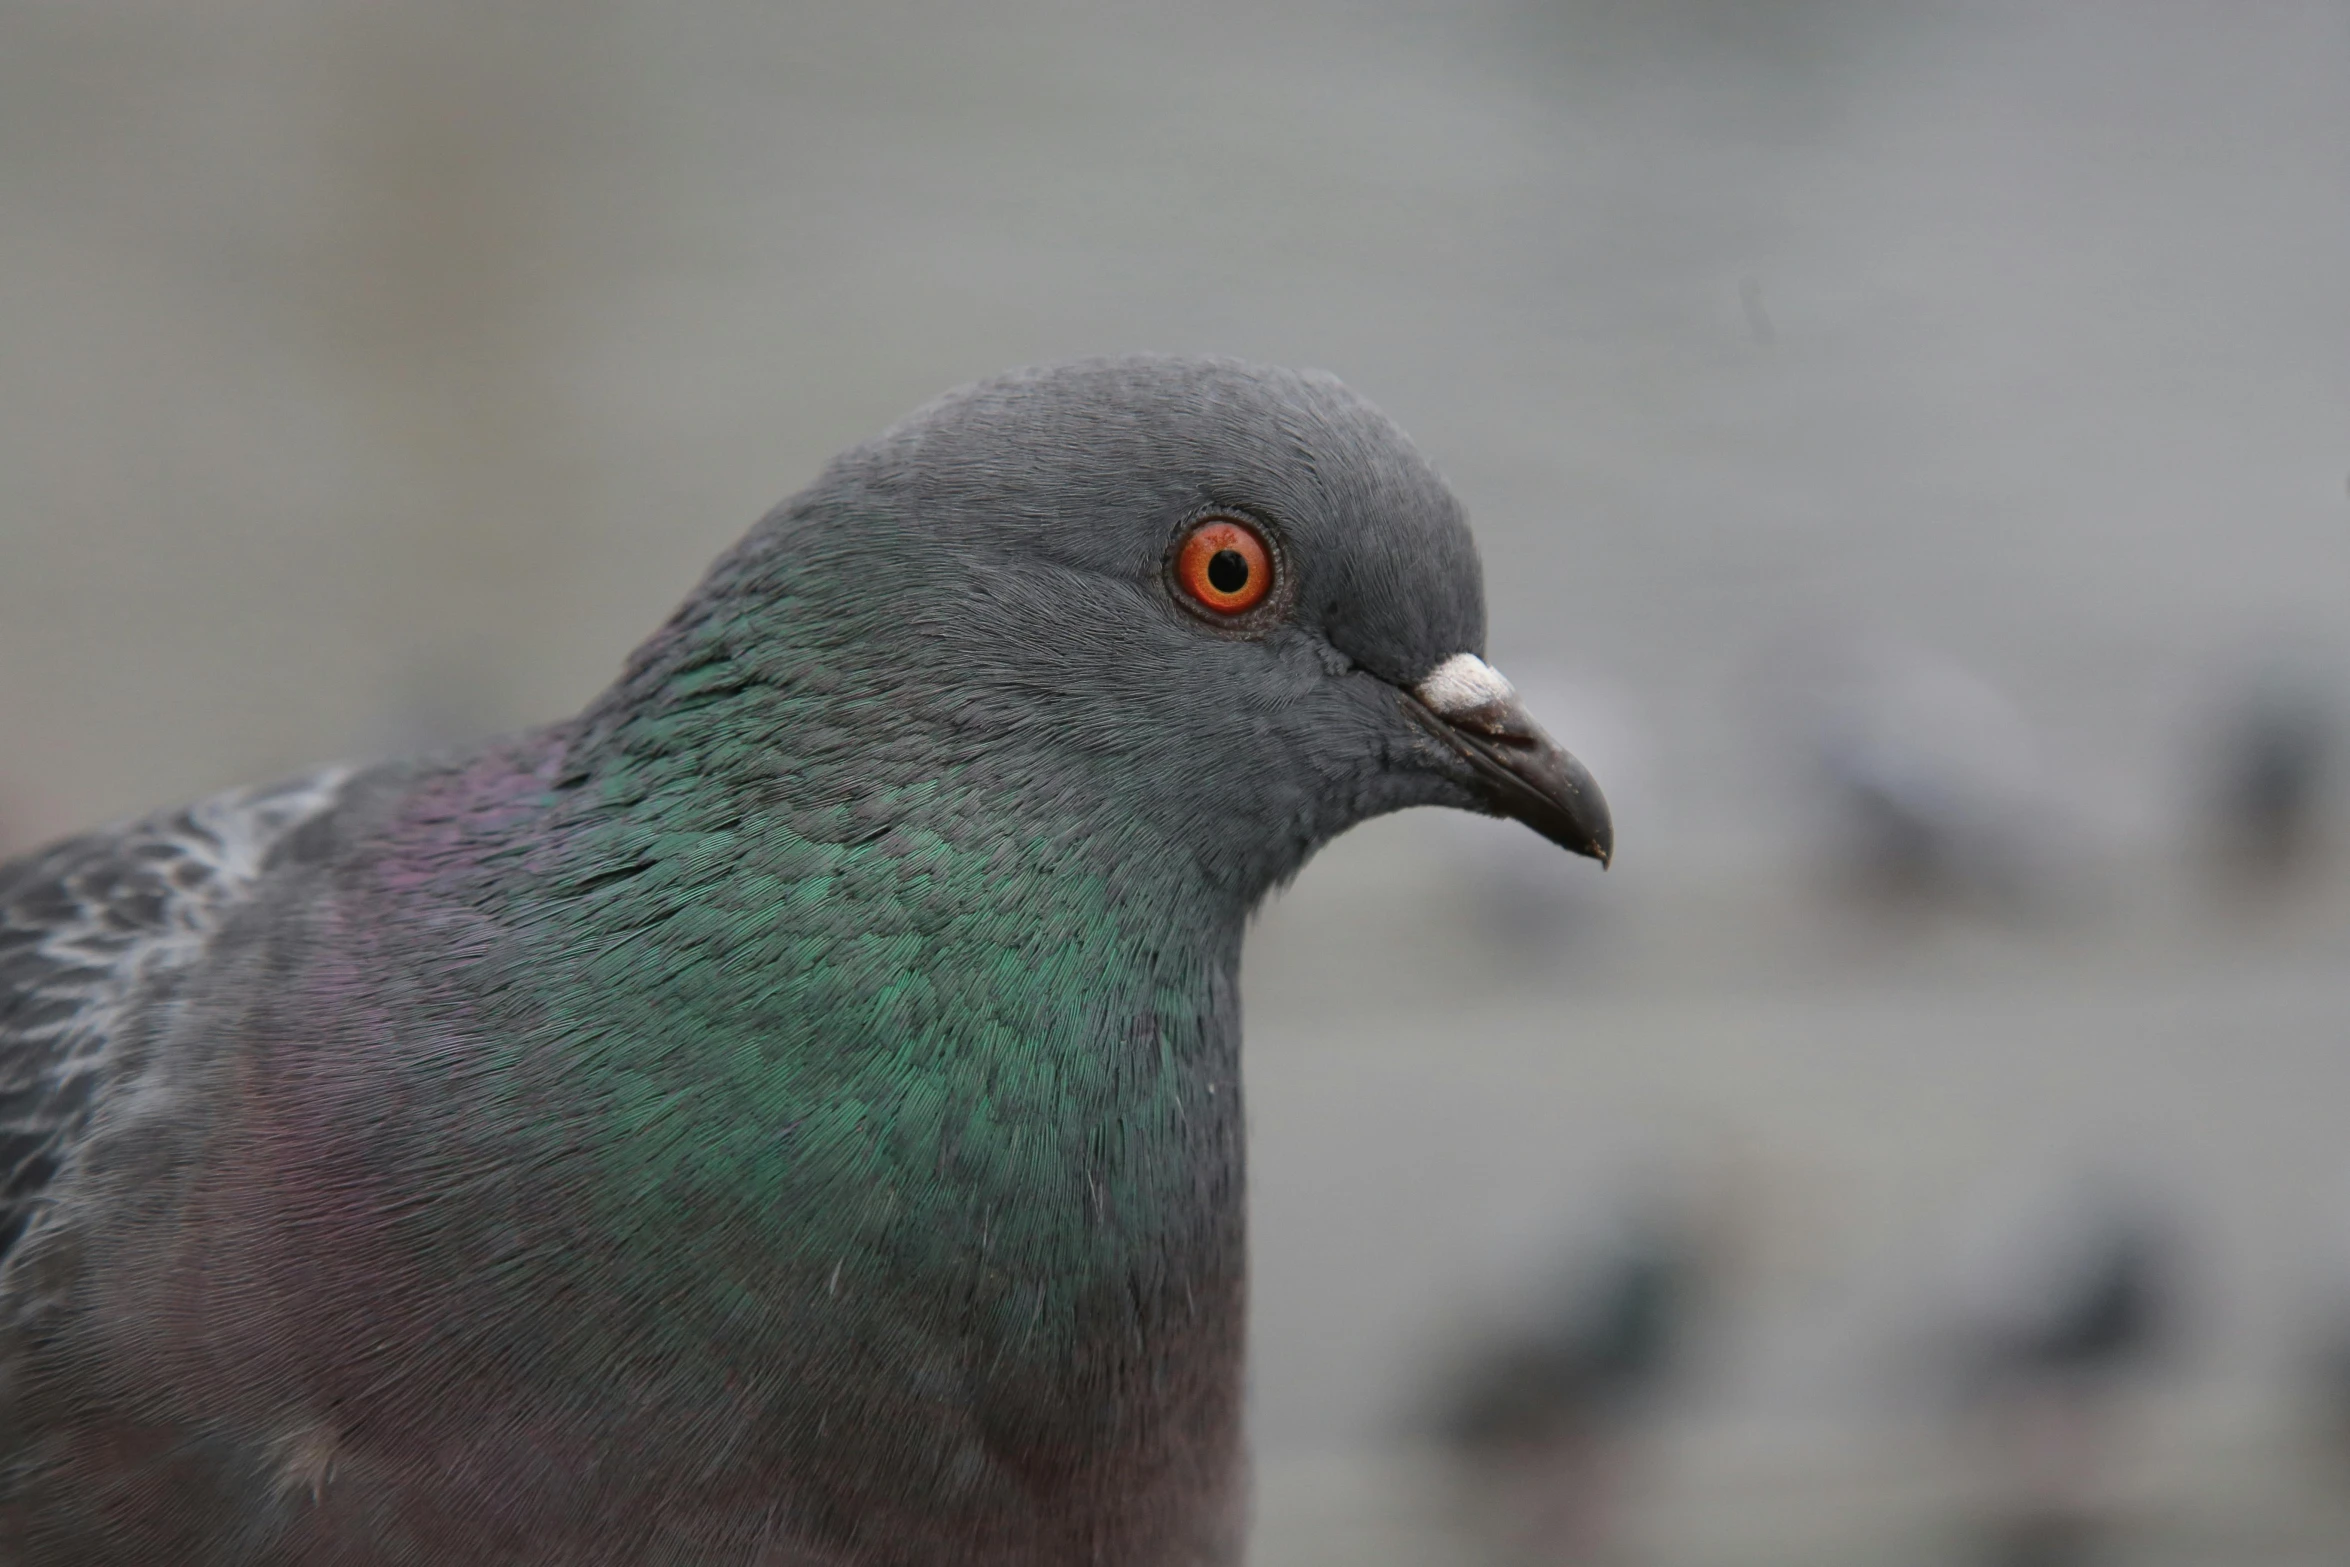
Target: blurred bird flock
[1910, 445]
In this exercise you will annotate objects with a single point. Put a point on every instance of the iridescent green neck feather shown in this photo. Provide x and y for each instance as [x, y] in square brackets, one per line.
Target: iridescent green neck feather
[841, 999]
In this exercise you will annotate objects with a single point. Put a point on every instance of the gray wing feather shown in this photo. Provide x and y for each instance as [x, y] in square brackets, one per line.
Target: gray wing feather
[89, 929]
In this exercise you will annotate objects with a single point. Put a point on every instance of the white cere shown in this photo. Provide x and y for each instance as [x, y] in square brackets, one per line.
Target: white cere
[1462, 684]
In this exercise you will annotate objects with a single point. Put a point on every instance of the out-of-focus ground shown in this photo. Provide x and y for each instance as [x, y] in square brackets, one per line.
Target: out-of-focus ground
[1425, 1129]
[373, 376]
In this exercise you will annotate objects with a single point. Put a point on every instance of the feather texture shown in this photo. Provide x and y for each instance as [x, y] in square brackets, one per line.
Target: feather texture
[789, 1113]
[95, 927]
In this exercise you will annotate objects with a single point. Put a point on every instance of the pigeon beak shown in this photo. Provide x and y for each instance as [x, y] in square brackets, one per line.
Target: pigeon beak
[1521, 772]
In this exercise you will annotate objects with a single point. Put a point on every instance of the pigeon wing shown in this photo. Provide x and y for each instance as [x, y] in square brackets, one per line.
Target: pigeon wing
[92, 929]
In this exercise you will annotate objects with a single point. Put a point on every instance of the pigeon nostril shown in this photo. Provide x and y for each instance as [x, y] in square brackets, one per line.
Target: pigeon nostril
[1228, 571]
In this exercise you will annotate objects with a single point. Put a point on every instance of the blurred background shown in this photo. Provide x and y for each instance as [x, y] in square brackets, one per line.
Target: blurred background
[1910, 444]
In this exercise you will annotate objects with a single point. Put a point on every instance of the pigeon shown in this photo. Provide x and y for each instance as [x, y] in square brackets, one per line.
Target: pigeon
[789, 1113]
[1549, 1421]
[2064, 1323]
[1610, 1345]
[2271, 764]
[1941, 788]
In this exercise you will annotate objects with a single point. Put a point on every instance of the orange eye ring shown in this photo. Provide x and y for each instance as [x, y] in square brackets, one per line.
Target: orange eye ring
[1224, 566]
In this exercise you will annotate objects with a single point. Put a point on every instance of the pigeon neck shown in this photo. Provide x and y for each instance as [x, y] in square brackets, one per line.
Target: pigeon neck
[910, 1031]
[799, 1111]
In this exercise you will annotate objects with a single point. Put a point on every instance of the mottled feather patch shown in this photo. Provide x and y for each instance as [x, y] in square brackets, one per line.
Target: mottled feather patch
[89, 929]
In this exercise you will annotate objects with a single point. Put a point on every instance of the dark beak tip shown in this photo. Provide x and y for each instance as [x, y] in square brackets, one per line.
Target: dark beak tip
[1594, 834]
[1603, 838]
[1545, 787]
[1524, 775]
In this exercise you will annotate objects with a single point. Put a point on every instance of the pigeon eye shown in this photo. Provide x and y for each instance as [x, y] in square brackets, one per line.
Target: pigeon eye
[1225, 567]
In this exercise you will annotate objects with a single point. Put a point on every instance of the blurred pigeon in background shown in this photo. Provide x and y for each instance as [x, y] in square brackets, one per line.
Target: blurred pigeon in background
[1939, 784]
[2269, 770]
[2066, 1312]
[788, 1113]
[1546, 1418]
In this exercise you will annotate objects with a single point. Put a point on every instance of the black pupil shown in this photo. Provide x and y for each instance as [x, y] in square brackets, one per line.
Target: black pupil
[1227, 571]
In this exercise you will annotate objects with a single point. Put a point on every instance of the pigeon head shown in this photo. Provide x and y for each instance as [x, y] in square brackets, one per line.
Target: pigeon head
[1193, 607]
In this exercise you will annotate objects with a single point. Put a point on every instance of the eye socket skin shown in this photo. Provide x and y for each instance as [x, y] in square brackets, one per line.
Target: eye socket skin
[1225, 567]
